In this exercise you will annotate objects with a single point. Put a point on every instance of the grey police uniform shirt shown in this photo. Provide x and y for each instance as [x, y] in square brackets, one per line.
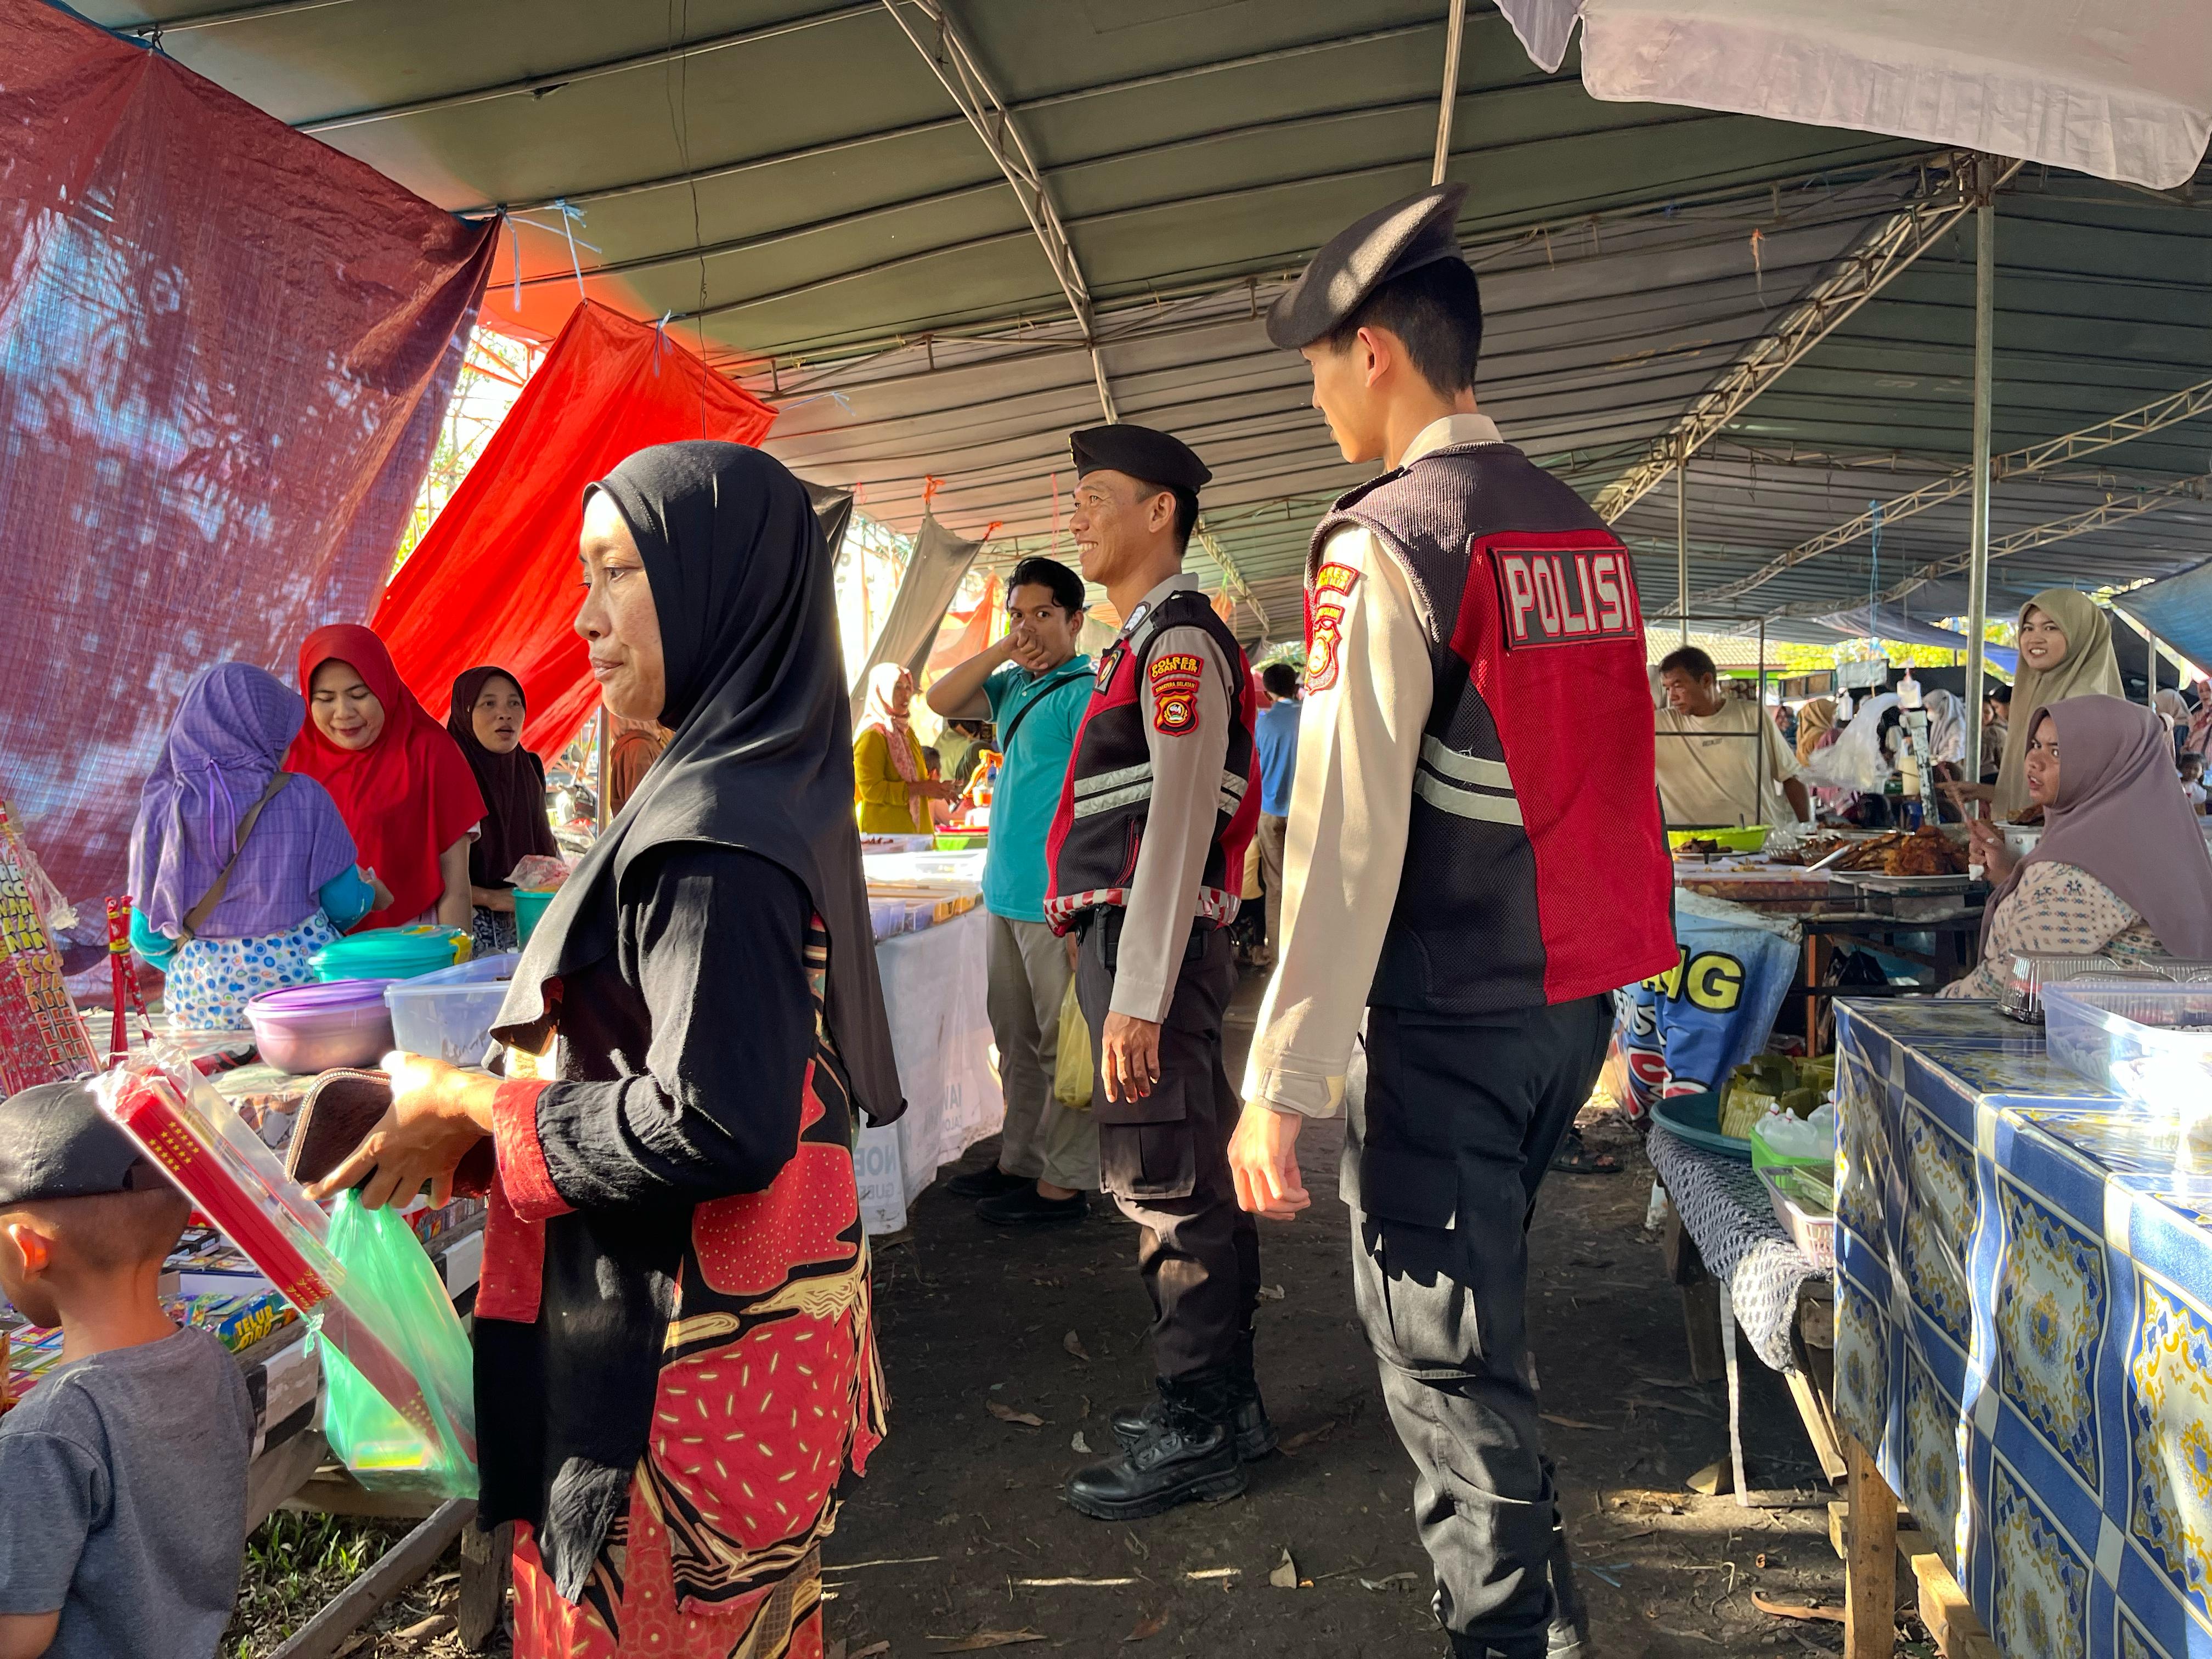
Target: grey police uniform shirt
[123, 1500]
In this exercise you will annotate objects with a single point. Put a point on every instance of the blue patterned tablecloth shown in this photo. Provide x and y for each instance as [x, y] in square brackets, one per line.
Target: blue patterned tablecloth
[2024, 1328]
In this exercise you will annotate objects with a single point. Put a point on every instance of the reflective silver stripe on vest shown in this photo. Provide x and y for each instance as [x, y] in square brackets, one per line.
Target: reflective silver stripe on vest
[1090, 805]
[1449, 797]
[1232, 786]
[1490, 774]
[1114, 780]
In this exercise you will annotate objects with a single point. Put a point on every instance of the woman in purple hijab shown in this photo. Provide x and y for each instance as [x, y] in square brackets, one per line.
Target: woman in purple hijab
[239, 871]
[2121, 870]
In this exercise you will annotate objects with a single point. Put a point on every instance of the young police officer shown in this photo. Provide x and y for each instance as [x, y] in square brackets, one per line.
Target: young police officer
[1461, 870]
[1147, 860]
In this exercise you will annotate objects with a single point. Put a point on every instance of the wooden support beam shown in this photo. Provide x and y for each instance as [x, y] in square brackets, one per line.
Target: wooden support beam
[483, 1582]
[321, 1636]
[1871, 1560]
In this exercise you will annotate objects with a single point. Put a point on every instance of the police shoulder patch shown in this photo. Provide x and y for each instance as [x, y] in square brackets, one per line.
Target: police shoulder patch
[1175, 677]
[1331, 592]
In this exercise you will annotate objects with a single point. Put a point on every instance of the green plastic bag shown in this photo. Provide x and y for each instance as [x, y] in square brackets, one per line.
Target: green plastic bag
[425, 1441]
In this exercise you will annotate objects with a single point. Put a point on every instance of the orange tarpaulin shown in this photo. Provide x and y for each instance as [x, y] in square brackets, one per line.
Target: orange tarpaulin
[495, 580]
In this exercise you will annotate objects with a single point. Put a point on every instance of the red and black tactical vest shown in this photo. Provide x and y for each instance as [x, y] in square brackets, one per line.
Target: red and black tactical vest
[1107, 796]
[1535, 870]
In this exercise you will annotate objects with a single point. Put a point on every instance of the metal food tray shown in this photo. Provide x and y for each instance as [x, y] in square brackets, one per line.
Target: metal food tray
[1911, 898]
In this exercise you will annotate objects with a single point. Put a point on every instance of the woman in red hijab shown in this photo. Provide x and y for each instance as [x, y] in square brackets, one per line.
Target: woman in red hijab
[400, 782]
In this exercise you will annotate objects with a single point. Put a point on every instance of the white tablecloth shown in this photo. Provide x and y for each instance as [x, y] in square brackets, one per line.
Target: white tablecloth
[934, 988]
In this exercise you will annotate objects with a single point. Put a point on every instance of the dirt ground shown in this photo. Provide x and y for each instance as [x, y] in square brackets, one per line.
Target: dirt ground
[959, 1529]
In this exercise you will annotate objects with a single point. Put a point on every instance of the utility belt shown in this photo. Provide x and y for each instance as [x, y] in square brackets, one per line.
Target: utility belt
[1106, 920]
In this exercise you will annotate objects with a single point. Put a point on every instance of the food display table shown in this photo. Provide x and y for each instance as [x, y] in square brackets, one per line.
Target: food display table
[935, 984]
[2023, 1337]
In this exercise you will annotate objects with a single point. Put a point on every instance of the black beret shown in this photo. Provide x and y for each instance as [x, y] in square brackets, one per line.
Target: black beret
[55, 1142]
[1152, 457]
[1388, 242]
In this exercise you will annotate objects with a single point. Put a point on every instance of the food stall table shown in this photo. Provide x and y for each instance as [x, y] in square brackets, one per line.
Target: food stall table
[2023, 1336]
[935, 987]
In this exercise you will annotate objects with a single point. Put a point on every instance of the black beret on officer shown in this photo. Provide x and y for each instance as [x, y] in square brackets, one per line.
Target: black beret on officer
[1149, 457]
[1388, 242]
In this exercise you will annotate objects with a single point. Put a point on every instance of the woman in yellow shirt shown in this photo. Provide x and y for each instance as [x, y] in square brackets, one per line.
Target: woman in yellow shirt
[891, 785]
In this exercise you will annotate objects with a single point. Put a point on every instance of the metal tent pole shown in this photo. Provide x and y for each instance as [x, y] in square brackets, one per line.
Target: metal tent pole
[1977, 578]
[1682, 540]
[2150, 670]
[1762, 666]
[1455, 30]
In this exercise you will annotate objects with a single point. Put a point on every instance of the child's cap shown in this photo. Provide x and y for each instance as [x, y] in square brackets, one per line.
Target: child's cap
[55, 1142]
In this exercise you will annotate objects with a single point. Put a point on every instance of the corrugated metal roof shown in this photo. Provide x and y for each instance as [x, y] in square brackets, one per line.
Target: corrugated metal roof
[794, 184]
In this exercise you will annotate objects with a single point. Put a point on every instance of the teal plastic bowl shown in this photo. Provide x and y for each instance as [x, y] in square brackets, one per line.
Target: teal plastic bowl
[530, 903]
[1696, 1119]
[391, 953]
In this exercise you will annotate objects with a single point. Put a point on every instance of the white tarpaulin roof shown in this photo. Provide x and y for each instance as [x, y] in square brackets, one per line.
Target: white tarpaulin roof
[2122, 90]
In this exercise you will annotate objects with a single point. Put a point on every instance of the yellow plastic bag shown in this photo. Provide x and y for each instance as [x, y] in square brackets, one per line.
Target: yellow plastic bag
[1070, 1071]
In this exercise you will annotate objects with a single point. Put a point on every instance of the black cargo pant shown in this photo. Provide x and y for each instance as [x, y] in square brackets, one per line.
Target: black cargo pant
[1460, 1119]
[1165, 1159]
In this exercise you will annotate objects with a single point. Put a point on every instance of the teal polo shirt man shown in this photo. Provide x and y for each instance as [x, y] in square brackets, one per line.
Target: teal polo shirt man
[1035, 687]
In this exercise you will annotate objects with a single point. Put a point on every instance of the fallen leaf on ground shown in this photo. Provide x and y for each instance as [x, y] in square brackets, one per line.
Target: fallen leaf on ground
[1713, 1480]
[836, 1649]
[872, 1650]
[1391, 1582]
[1078, 1444]
[1796, 1610]
[1151, 1624]
[1573, 1422]
[1285, 1573]
[1073, 1344]
[1305, 1437]
[427, 1630]
[1676, 1407]
[1008, 1414]
[987, 1638]
[1271, 1293]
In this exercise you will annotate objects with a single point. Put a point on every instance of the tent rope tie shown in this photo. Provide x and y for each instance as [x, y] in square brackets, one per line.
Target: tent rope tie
[989, 531]
[659, 339]
[931, 484]
[571, 216]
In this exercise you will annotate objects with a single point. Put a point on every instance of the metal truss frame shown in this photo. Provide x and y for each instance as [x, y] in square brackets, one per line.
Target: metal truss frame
[2117, 510]
[2156, 416]
[1955, 183]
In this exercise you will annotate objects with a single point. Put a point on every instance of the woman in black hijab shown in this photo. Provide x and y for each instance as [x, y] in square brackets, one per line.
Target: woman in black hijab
[486, 720]
[675, 1370]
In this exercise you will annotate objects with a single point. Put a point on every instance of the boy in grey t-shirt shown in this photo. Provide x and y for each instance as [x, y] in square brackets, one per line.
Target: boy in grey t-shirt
[123, 1470]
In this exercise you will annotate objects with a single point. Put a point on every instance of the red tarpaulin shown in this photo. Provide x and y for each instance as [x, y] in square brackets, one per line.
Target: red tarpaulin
[494, 580]
[225, 351]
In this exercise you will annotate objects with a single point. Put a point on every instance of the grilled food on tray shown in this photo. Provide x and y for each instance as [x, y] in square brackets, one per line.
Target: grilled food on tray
[1897, 853]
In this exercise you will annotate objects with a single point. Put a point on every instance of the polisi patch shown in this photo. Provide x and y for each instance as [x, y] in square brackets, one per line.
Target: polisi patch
[1173, 677]
[1572, 588]
[1330, 594]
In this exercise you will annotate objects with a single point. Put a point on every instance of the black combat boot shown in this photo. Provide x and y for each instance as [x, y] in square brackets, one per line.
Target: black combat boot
[1187, 1451]
[1255, 1435]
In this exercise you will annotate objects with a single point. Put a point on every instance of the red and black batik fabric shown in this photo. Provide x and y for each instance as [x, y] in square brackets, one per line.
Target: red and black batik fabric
[770, 1397]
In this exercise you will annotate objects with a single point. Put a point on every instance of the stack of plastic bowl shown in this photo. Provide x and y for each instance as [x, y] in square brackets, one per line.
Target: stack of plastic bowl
[391, 953]
[314, 1027]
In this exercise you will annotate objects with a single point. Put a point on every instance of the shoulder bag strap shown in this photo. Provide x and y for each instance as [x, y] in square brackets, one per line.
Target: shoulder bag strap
[196, 917]
[1022, 713]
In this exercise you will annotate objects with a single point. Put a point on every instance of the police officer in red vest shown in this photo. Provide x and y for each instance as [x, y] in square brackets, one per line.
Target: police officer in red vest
[1146, 857]
[1465, 881]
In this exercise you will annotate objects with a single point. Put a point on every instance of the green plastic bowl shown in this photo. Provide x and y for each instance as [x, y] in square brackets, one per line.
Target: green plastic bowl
[391, 953]
[530, 903]
[1750, 839]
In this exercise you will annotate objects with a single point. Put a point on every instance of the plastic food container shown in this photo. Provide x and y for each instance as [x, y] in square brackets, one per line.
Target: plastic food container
[2151, 1043]
[448, 1015]
[530, 903]
[314, 1027]
[1747, 838]
[1811, 1228]
[391, 953]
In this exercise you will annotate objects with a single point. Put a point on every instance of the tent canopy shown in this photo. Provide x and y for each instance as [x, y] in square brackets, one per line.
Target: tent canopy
[795, 182]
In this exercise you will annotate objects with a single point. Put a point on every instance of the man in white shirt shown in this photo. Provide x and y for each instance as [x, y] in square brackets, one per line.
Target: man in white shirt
[1721, 762]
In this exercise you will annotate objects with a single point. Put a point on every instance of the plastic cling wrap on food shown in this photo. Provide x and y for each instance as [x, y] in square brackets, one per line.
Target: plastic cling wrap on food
[431, 1450]
[181, 1122]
